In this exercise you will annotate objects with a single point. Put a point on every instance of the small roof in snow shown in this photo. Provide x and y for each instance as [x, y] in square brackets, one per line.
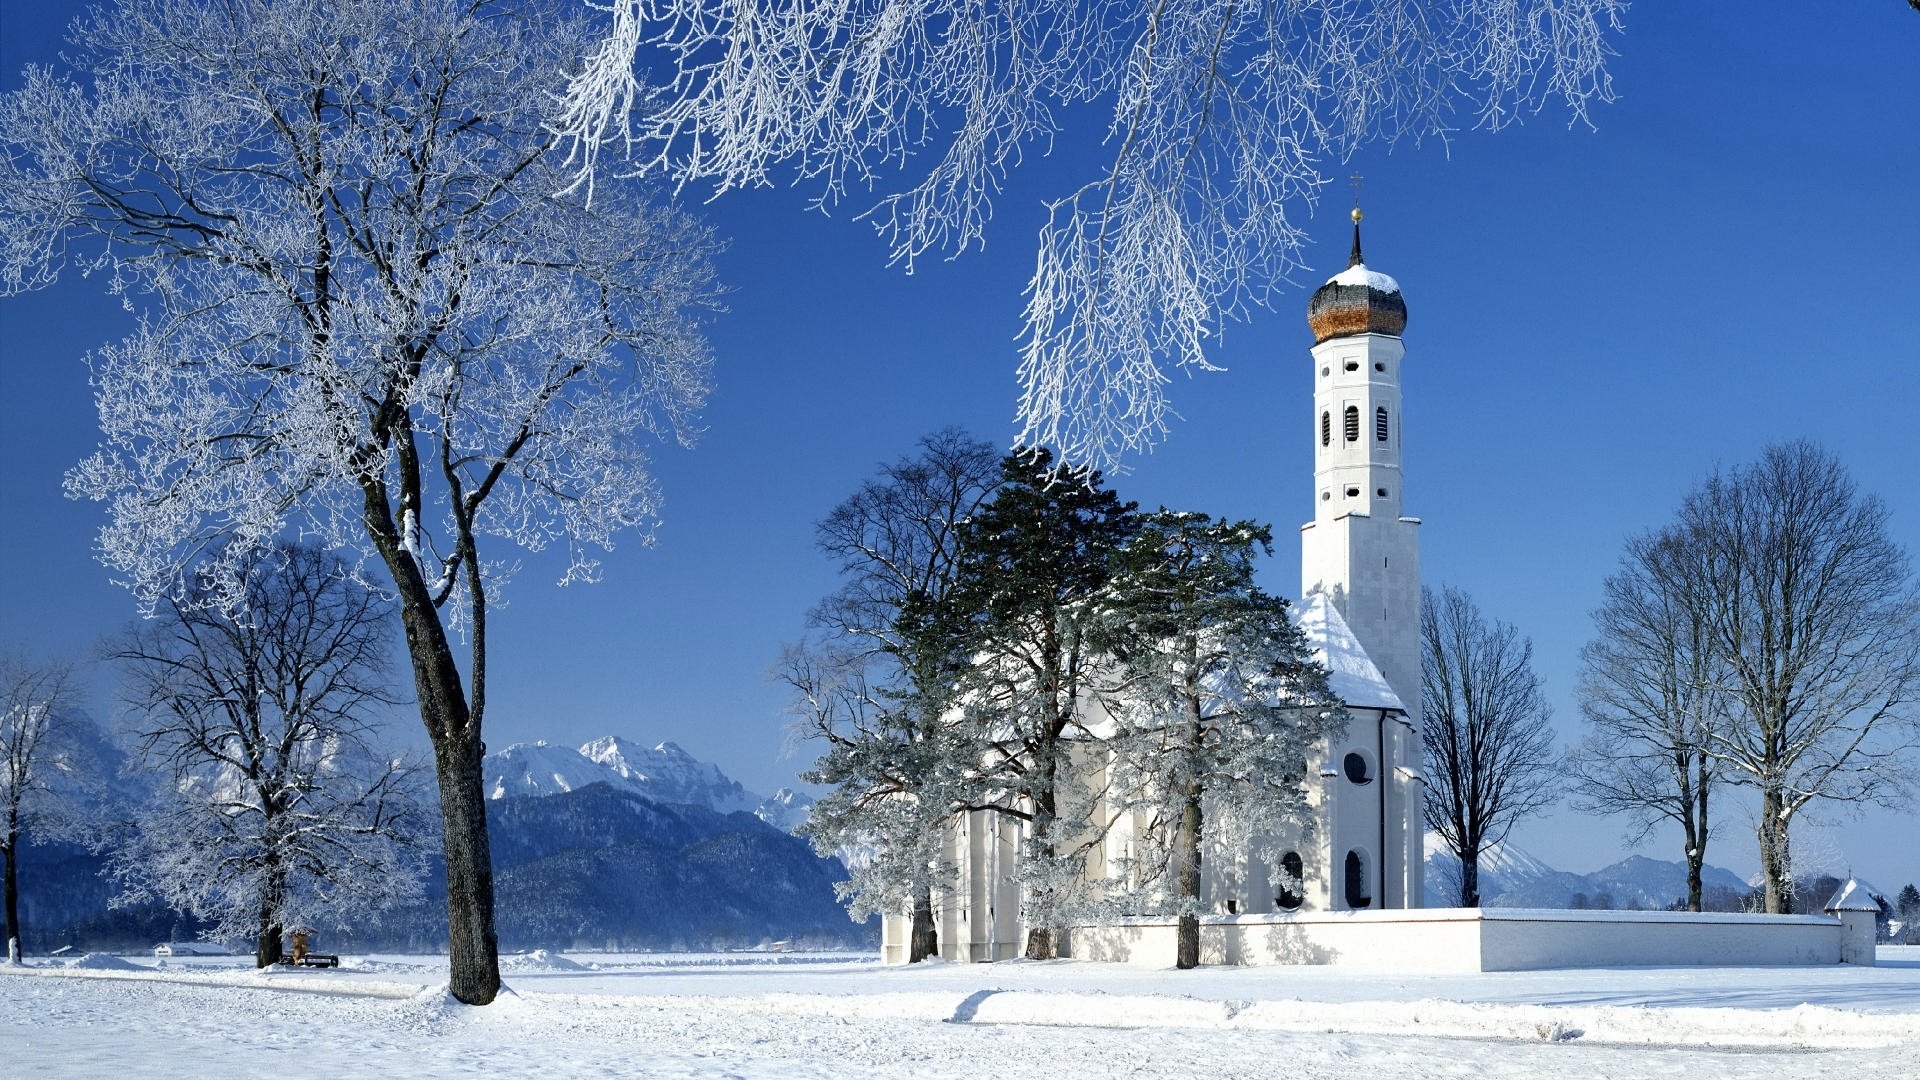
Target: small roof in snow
[1855, 895]
[1354, 678]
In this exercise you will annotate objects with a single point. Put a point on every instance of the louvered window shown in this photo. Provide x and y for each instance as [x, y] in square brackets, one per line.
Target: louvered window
[1326, 429]
[1380, 423]
[1353, 423]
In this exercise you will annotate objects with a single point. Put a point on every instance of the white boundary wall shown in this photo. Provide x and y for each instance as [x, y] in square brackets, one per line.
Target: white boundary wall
[1479, 939]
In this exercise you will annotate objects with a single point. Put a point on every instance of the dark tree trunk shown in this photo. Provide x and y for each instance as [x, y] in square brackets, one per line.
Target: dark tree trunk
[13, 897]
[453, 726]
[267, 947]
[1470, 878]
[267, 952]
[1776, 866]
[473, 948]
[925, 941]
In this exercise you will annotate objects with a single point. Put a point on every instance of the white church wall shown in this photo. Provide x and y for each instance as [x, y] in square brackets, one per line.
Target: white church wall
[1468, 940]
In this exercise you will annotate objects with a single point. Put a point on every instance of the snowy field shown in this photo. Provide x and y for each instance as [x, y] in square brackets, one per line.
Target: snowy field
[756, 1015]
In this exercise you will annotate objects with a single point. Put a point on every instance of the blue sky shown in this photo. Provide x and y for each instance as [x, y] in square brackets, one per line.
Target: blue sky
[1597, 319]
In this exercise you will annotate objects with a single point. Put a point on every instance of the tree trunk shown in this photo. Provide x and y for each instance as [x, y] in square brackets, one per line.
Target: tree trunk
[1470, 878]
[267, 950]
[13, 895]
[1186, 854]
[267, 946]
[925, 941]
[1776, 866]
[473, 948]
[1042, 944]
[1694, 822]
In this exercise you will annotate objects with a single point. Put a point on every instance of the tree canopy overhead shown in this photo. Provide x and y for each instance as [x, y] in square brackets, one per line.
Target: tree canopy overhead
[1220, 117]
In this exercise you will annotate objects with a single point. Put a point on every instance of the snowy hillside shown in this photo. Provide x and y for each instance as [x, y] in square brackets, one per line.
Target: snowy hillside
[664, 773]
[1510, 877]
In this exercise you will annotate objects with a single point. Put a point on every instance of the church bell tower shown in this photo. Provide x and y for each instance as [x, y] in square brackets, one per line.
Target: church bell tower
[1359, 550]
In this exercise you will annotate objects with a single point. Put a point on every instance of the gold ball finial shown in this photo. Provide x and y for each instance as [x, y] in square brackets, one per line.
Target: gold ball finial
[1357, 215]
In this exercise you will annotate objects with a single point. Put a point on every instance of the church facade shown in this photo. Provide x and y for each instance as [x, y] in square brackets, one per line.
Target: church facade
[1360, 610]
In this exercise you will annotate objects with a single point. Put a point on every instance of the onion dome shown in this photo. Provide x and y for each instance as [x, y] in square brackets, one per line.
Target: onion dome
[1356, 300]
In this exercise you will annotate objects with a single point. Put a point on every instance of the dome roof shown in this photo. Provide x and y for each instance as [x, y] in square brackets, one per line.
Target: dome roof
[1356, 300]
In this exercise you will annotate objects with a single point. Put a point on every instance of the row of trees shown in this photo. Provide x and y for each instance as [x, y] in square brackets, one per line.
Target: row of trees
[987, 602]
[1769, 639]
[263, 796]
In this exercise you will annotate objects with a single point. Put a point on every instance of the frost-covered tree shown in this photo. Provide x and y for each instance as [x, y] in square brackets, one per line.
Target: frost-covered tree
[1483, 725]
[1219, 117]
[369, 316]
[1816, 619]
[45, 770]
[877, 680]
[1033, 561]
[1216, 701]
[1652, 692]
[262, 700]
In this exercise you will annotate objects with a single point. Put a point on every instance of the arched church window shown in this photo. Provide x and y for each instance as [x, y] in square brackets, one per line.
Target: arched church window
[1380, 424]
[1356, 890]
[1355, 766]
[1353, 423]
[1326, 429]
[1292, 888]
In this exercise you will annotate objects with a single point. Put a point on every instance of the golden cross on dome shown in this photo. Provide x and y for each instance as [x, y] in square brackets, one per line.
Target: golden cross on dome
[1356, 181]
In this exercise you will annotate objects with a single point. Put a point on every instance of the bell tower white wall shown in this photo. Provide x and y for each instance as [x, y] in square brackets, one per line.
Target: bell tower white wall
[1359, 549]
[1363, 554]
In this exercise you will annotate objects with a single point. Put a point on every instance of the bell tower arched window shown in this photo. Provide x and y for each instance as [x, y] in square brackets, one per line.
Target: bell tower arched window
[1380, 424]
[1326, 429]
[1353, 423]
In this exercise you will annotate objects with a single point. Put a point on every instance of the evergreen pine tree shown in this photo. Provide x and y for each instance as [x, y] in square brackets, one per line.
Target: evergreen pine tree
[1217, 703]
[1032, 562]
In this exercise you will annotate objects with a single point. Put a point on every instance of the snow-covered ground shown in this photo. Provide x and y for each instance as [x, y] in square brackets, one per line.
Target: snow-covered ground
[760, 1015]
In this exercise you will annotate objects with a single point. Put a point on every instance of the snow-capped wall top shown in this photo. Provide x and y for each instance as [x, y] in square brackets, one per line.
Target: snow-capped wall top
[1353, 676]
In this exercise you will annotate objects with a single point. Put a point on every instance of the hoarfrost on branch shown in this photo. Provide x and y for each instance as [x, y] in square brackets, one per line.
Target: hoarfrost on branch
[1221, 115]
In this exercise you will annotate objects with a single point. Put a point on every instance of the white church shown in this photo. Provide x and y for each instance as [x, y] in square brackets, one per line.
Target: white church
[1360, 864]
[1360, 583]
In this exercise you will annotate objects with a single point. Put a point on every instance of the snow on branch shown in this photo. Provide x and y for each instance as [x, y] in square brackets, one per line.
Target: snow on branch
[1222, 114]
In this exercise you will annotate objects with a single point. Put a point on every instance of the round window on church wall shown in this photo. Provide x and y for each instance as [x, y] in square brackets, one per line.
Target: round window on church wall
[1356, 769]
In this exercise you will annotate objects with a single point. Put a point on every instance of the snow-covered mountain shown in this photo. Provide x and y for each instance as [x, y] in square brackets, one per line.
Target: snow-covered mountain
[664, 773]
[785, 809]
[1510, 877]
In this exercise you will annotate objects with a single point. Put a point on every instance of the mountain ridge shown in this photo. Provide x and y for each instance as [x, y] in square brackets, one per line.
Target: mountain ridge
[664, 773]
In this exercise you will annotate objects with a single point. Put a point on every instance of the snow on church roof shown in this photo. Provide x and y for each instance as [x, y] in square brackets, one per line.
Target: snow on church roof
[1855, 895]
[1353, 678]
[1358, 274]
